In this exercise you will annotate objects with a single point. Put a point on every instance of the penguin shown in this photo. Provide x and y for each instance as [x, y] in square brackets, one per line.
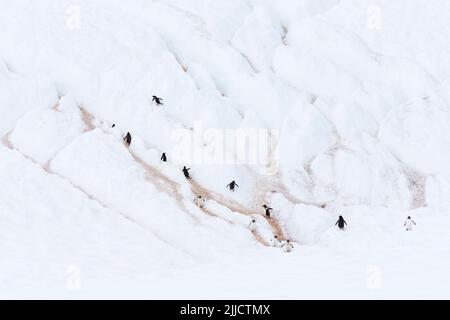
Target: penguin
[409, 223]
[252, 225]
[341, 223]
[113, 126]
[200, 202]
[157, 100]
[127, 139]
[164, 157]
[287, 246]
[186, 172]
[232, 185]
[267, 211]
[275, 242]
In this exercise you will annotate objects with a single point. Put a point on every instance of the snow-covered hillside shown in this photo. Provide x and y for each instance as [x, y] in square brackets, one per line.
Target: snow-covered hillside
[345, 104]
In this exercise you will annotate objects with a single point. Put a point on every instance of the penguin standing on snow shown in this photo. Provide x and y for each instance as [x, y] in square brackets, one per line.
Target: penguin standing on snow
[275, 242]
[287, 246]
[164, 157]
[232, 185]
[113, 126]
[127, 139]
[409, 223]
[186, 172]
[252, 225]
[200, 202]
[341, 223]
[267, 211]
[157, 100]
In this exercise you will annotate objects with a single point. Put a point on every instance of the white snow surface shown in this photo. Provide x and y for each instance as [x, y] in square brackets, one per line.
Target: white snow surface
[358, 93]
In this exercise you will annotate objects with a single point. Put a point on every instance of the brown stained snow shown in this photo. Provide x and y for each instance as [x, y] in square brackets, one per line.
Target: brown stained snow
[7, 142]
[163, 184]
[160, 181]
[233, 206]
[170, 187]
[88, 119]
[56, 108]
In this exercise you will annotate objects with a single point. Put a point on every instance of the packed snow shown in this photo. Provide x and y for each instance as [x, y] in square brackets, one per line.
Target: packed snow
[317, 108]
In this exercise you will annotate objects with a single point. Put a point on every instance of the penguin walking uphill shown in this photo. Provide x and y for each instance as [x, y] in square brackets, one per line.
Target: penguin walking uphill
[287, 246]
[127, 139]
[252, 225]
[200, 202]
[267, 211]
[164, 157]
[275, 242]
[232, 185]
[186, 172]
[157, 100]
[341, 223]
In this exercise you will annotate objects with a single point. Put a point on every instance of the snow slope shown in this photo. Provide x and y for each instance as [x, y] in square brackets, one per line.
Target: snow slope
[354, 98]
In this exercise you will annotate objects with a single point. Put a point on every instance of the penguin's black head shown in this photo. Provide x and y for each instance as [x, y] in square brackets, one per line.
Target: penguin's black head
[264, 206]
[340, 217]
[409, 217]
[275, 236]
[113, 125]
[253, 220]
[288, 240]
